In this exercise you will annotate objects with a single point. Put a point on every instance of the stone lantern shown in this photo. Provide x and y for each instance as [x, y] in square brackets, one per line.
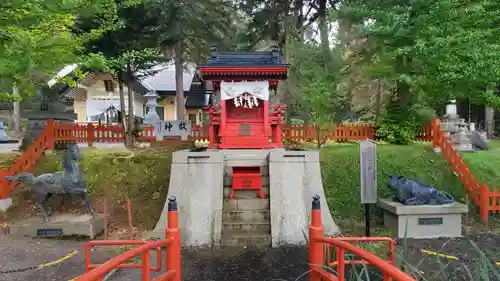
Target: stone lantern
[152, 117]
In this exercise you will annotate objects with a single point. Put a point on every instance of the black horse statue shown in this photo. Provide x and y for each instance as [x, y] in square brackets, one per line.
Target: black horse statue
[410, 192]
[68, 182]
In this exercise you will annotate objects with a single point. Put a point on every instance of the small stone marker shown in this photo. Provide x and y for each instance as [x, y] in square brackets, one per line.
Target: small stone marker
[368, 165]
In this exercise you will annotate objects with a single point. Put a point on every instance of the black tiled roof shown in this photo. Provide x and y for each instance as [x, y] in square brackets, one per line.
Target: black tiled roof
[248, 59]
[195, 100]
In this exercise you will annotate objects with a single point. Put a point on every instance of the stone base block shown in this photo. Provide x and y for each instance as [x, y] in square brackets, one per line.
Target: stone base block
[5, 204]
[60, 225]
[424, 221]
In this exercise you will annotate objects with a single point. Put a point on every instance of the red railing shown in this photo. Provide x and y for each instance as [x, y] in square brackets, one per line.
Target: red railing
[198, 133]
[482, 195]
[317, 241]
[172, 243]
[27, 160]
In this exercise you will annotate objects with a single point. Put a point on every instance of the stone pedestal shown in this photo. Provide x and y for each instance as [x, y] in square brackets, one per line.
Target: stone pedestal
[424, 221]
[4, 139]
[60, 225]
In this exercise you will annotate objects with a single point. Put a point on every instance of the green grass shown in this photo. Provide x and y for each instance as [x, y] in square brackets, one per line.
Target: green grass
[340, 171]
[485, 164]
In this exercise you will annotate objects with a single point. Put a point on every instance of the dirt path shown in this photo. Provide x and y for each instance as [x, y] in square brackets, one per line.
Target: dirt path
[20, 253]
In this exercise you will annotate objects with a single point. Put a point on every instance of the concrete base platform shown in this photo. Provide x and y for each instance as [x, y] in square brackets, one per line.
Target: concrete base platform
[196, 180]
[60, 225]
[424, 221]
[5, 204]
[295, 178]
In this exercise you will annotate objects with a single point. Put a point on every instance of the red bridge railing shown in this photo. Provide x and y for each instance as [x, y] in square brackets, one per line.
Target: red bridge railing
[318, 241]
[172, 242]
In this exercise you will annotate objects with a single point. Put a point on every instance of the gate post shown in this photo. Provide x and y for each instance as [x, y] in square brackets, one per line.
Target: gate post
[435, 132]
[316, 253]
[484, 204]
[173, 250]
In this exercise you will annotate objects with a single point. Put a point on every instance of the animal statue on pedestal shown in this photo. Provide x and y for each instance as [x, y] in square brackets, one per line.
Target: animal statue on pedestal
[411, 192]
[67, 182]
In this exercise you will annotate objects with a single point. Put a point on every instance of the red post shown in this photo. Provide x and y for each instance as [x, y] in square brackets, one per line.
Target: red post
[316, 254]
[4, 185]
[173, 250]
[50, 129]
[435, 132]
[129, 214]
[146, 265]
[105, 219]
[484, 204]
[90, 134]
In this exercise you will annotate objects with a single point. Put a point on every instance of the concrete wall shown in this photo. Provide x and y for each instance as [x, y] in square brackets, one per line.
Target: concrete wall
[196, 180]
[295, 178]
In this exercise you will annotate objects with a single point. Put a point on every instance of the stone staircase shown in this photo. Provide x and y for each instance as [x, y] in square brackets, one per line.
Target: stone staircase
[246, 218]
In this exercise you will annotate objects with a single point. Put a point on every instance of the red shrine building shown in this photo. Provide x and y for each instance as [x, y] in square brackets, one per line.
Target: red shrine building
[243, 83]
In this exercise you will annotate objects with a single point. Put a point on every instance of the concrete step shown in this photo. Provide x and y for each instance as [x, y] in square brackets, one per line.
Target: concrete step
[228, 180]
[263, 227]
[254, 215]
[228, 170]
[238, 154]
[238, 239]
[245, 204]
[246, 193]
[247, 162]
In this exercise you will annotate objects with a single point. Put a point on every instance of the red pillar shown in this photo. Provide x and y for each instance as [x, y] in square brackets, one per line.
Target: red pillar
[51, 134]
[435, 132]
[174, 249]
[484, 204]
[90, 134]
[316, 254]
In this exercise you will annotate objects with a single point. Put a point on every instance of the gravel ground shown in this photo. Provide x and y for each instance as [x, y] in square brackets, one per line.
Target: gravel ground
[19, 253]
[287, 263]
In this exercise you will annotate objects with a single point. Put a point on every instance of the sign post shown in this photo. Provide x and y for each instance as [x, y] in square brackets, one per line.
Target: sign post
[368, 164]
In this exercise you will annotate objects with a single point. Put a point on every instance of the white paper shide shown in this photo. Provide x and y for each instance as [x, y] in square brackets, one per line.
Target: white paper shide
[245, 93]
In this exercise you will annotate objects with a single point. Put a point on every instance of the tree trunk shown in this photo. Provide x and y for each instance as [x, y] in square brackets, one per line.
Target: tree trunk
[489, 121]
[122, 106]
[377, 102]
[16, 113]
[179, 83]
[323, 31]
[130, 96]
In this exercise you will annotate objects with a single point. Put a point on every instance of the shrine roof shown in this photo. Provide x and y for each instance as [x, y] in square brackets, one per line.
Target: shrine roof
[227, 62]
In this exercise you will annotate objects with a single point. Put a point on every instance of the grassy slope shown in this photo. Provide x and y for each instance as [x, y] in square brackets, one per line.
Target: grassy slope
[484, 165]
[143, 176]
[340, 171]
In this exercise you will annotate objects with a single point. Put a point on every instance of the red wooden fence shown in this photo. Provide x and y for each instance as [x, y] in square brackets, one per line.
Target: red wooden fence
[482, 195]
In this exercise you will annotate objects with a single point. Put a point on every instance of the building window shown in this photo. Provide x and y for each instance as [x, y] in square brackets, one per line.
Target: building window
[108, 85]
[192, 118]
